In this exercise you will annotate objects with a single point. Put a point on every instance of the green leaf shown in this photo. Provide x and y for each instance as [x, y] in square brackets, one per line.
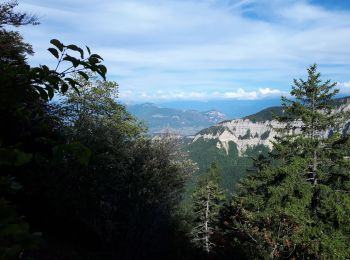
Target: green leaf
[72, 47]
[54, 52]
[71, 81]
[45, 69]
[93, 61]
[57, 43]
[50, 91]
[84, 75]
[76, 149]
[96, 56]
[88, 49]
[73, 60]
[15, 157]
[103, 69]
[80, 152]
[53, 80]
[73, 84]
[64, 88]
[42, 92]
[76, 89]
[76, 48]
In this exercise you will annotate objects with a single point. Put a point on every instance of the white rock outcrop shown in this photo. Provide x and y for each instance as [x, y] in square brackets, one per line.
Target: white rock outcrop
[245, 133]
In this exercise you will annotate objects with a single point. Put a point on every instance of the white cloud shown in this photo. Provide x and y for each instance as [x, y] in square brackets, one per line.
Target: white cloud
[344, 87]
[239, 94]
[268, 91]
[196, 48]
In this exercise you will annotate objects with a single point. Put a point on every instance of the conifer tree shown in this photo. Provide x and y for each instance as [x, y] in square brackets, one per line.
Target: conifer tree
[307, 120]
[298, 208]
[207, 202]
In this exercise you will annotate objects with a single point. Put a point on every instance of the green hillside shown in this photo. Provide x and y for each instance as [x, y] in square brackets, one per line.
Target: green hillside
[265, 114]
[233, 166]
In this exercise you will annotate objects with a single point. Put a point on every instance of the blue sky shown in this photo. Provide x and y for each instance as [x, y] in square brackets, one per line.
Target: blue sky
[200, 50]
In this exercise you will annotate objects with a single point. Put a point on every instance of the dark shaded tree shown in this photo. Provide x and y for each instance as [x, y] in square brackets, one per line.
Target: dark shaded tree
[122, 200]
[28, 131]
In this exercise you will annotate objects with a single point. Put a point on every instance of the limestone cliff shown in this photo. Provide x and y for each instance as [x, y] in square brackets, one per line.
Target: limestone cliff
[250, 132]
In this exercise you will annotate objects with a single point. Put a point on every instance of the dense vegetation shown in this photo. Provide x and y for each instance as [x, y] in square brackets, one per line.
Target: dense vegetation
[233, 166]
[265, 114]
[80, 179]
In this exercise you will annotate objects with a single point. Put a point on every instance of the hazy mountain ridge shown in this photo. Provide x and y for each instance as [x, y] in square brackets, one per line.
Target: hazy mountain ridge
[267, 113]
[160, 119]
[183, 122]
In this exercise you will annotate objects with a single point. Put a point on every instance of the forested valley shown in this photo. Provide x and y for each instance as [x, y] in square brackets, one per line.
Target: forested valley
[81, 179]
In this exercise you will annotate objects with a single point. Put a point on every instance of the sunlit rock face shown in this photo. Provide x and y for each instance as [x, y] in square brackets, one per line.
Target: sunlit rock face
[246, 133]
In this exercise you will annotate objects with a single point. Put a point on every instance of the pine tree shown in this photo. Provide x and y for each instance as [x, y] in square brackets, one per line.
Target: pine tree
[207, 201]
[298, 208]
[307, 120]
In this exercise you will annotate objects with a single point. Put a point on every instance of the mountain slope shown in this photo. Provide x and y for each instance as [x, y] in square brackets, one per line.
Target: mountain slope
[265, 114]
[183, 122]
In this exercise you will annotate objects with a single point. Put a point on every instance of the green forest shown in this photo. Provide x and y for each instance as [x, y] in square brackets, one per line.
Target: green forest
[81, 179]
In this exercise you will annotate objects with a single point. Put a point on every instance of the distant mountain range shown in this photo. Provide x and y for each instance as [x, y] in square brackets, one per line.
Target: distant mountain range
[189, 117]
[233, 109]
[180, 121]
[212, 136]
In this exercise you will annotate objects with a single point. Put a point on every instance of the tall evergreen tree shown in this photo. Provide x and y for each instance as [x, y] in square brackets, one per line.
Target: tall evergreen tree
[307, 121]
[298, 208]
[207, 201]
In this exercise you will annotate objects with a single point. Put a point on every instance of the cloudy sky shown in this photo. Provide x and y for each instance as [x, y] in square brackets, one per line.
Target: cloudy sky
[159, 50]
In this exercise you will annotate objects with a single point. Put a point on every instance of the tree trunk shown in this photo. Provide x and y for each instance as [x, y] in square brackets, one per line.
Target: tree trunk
[207, 245]
[314, 168]
[313, 137]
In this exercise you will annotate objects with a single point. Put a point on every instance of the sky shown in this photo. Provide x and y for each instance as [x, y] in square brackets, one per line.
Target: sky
[200, 50]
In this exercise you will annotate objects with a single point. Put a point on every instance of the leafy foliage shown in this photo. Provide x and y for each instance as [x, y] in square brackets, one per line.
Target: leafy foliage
[28, 132]
[9, 17]
[113, 182]
[46, 81]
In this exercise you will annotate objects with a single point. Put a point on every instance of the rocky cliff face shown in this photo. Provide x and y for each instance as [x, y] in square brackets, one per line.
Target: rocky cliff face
[243, 132]
[249, 133]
